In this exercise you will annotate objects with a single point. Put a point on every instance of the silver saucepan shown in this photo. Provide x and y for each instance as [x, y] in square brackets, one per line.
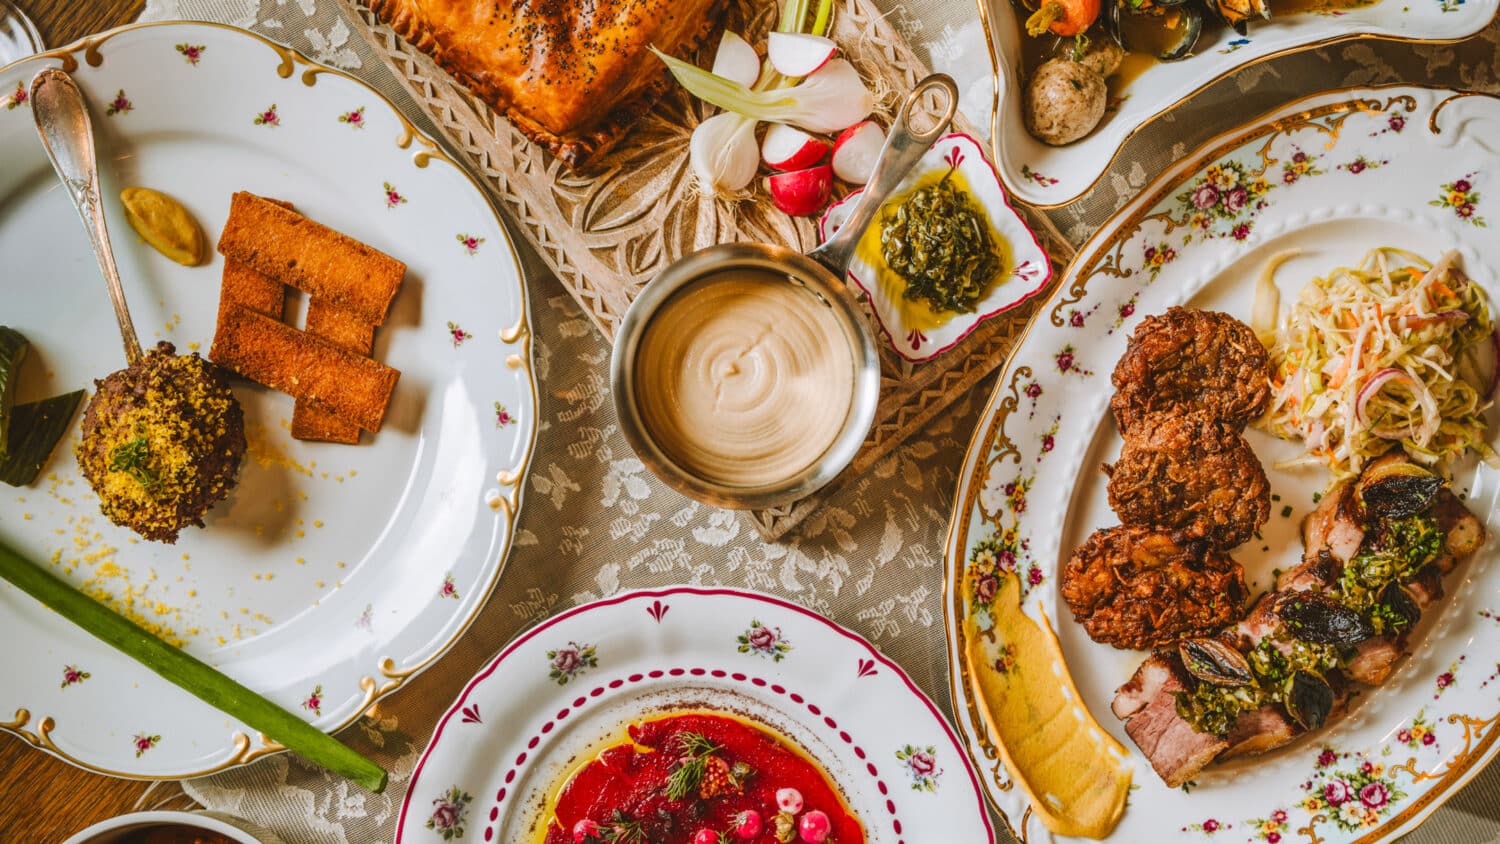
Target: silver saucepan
[820, 276]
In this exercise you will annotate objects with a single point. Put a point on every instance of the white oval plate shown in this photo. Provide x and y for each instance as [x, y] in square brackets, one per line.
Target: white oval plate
[1030, 272]
[1335, 174]
[333, 572]
[1048, 176]
[578, 677]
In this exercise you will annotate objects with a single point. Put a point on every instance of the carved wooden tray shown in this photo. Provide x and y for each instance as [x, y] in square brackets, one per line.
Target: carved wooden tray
[608, 233]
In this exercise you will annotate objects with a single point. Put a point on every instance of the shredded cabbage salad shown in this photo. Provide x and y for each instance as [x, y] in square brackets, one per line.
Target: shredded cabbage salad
[1397, 350]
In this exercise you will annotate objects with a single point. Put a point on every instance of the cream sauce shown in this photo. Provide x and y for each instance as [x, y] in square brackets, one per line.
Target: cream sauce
[744, 378]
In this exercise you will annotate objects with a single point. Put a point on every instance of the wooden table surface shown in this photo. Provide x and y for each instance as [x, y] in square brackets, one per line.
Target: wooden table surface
[43, 800]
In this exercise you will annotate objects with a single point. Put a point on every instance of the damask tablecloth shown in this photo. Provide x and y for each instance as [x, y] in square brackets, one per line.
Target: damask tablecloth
[595, 521]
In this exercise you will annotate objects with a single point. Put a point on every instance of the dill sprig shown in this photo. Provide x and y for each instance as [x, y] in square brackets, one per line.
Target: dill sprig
[695, 749]
[133, 458]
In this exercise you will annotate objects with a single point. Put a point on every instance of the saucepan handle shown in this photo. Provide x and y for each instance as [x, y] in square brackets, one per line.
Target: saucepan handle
[903, 146]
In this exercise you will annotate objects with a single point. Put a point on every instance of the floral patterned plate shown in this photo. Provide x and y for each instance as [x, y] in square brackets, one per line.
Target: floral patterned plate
[1335, 175]
[576, 679]
[1048, 176]
[333, 573]
[1029, 268]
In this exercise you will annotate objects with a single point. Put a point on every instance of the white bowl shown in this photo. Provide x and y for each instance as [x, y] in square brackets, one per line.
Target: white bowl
[1047, 176]
[235, 829]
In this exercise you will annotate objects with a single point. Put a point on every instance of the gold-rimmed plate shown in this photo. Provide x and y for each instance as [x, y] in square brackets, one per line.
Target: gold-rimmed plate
[1335, 175]
[1051, 176]
[333, 573]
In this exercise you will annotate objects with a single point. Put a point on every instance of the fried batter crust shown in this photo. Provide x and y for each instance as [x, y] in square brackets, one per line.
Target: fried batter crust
[1191, 359]
[1193, 473]
[1139, 588]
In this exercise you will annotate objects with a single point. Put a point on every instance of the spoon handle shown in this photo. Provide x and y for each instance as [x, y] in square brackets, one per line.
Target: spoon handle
[903, 146]
[62, 119]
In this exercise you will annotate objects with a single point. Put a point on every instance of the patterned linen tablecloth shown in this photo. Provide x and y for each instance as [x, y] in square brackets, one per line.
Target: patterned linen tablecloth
[595, 521]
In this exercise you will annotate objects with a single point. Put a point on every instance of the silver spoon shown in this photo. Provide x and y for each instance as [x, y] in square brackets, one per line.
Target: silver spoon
[62, 119]
[18, 35]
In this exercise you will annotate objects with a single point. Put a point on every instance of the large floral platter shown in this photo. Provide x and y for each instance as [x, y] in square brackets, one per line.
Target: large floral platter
[1048, 176]
[554, 694]
[1334, 175]
[333, 573]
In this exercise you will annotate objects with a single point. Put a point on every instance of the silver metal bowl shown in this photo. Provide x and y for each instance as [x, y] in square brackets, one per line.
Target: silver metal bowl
[820, 273]
[820, 284]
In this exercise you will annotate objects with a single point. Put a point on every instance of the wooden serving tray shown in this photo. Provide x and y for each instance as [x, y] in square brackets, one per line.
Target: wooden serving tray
[608, 233]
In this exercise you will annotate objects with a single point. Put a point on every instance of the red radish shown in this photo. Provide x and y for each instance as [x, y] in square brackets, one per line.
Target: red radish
[585, 830]
[802, 193]
[856, 151]
[736, 60]
[706, 836]
[747, 825]
[789, 800]
[789, 148]
[814, 827]
[796, 54]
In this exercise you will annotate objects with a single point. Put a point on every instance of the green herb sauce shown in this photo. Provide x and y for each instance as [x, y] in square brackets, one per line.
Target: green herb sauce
[940, 242]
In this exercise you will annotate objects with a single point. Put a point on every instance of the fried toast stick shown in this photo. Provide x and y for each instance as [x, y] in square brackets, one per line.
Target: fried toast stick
[332, 323]
[303, 366]
[311, 257]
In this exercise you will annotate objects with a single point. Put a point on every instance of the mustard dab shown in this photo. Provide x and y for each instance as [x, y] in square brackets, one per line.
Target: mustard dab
[165, 224]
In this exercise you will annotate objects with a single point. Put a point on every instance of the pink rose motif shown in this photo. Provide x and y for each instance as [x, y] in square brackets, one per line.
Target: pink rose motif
[445, 816]
[1357, 166]
[1273, 838]
[1047, 442]
[1445, 679]
[762, 638]
[1466, 210]
[1367, 767]
[1429, 738]
[1076, 320]
[567, 660]
[1299, 157]
[1337, 793]
[1205, 197]
[1241, 231]
[1279, 816]
[1326, 758]
[1127, 310]
[1404, 736]
[1374, 795]
[1462, 186]
[1034, 576]
[1289, 176]
[1150, 253]
[1397, 123]
[985, 587]
[448, 590]
[1064, 361]
[1006, 558]
[1210, 826]
[922, 764]
[1033, 390]
[1236, 199]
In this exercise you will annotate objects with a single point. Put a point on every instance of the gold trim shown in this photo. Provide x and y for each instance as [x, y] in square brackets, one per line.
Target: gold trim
[1001, 168]
[1100, 261]
[431, 150]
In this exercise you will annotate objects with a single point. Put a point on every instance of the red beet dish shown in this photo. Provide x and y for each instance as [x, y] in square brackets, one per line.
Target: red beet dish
[701, 779]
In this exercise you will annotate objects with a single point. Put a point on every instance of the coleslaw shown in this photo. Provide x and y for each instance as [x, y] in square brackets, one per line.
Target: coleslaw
[1396, 351]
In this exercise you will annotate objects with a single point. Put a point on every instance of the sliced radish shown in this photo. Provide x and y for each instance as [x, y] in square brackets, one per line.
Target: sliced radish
[802, 193]
[789, 148]
[796, 54]
[856, 151]
[736, 60]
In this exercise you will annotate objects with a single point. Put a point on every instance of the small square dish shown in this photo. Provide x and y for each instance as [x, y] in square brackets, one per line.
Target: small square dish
[914, 328]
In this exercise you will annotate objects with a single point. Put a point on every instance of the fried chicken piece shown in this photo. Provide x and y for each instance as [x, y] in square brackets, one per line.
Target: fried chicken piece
[1138, 587]
[1193, 473]
[1191, 359]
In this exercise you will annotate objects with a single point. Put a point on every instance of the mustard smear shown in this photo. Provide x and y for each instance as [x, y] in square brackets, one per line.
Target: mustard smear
[1074, 772]
[165, 224]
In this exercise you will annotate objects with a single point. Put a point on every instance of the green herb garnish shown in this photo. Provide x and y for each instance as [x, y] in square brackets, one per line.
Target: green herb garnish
[940, 242]
[133, 457]
[695, 749]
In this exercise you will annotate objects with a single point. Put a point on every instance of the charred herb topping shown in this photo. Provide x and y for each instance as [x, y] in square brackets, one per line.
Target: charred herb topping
[1402, 548]
[939, 240]
[696, 750]
[1215, 709]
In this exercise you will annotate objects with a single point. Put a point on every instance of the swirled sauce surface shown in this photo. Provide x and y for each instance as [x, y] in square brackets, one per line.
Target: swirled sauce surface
[744, 378]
